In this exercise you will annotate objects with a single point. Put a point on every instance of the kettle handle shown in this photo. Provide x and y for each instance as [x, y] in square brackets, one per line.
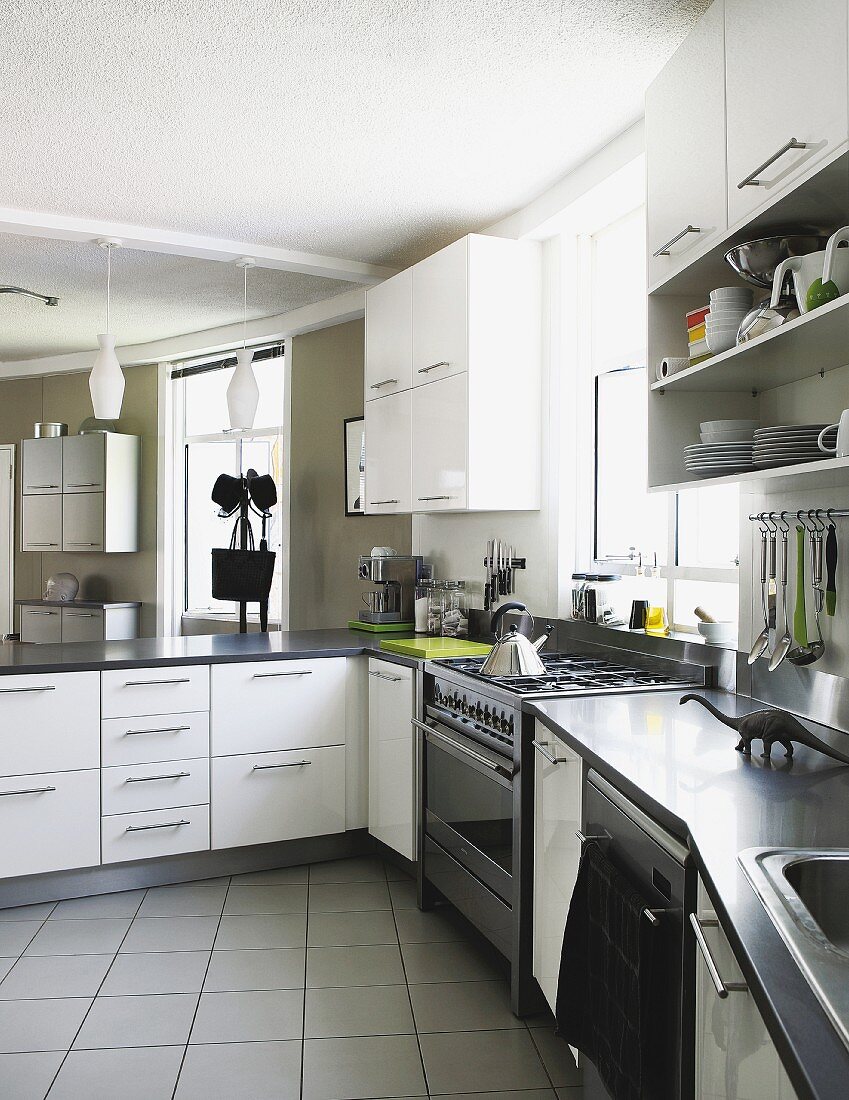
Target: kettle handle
[512, 605]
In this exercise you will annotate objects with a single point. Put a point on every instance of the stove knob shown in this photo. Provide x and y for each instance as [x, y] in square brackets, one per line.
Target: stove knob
[510, 725]
[464, 706]
[502, 725]
[487, 717]
[478, 713]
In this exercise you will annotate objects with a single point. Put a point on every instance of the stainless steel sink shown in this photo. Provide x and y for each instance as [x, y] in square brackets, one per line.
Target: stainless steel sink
[805, 892]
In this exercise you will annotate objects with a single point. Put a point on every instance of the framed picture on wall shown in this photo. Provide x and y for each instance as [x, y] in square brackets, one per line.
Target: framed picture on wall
[355, 465]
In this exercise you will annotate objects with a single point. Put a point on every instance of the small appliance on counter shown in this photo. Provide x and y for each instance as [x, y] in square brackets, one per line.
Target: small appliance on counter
[390, 602]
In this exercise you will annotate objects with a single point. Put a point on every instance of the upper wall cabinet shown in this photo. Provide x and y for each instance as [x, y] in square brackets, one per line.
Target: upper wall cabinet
[41, 470]
[389, 325]
[441, 312]
[803, 44]
[685, 141]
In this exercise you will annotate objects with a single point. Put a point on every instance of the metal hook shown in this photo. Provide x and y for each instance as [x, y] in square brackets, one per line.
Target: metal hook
[783, 524]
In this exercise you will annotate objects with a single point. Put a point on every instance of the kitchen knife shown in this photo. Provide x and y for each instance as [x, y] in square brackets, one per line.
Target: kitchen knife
[502, 569]
[487, 588]
[494, 585]
[831, 570]
[509, 576]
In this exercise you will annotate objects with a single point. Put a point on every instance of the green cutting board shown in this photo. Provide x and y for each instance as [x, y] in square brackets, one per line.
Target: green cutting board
[427, 649]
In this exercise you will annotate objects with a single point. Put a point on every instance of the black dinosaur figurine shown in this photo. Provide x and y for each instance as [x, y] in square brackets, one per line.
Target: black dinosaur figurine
[772, 727]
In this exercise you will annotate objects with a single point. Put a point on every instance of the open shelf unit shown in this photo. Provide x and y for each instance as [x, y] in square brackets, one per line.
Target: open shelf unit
[799, 476]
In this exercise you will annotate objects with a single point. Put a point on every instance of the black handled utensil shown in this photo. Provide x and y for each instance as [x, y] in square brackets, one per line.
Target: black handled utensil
[831, 570]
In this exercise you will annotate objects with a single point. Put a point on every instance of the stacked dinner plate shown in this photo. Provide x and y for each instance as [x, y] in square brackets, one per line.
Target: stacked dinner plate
[787, 444]
[715, 459]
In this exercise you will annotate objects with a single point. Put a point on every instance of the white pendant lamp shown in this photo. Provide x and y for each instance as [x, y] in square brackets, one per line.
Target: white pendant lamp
[243, 391]
[106, 381]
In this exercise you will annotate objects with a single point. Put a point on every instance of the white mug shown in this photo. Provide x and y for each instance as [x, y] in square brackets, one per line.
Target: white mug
[841, 449]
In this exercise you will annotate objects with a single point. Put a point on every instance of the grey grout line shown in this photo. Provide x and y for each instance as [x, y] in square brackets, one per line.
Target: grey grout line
[306, 963]
[94, 998]
[202, 984]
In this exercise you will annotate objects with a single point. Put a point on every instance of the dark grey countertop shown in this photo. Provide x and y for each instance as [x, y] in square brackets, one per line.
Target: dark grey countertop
[77, 603]
[20, 658]
[679, 764]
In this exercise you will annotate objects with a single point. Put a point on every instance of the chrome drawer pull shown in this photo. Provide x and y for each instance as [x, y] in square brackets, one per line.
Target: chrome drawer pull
[435, 498]
[42, 544]
[42, 486]
[383, 676]
[385, 382]
[433, 366]
[28, 612]
[273, 675]
[722, 988]
[83, 484]
[153, 778]
[545, 751]
[753, 181]
[163, 825]
[664, 248]
[154, 683]
[29, 790]
[293, 764]
[372, 502]
[80, 614]
[9, 691]
[162, 729]
[429, 731]
[84, 544]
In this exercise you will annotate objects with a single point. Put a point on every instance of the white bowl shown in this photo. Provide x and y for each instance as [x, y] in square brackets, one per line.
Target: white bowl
[717, 633]
[731, 292]
[728, 425]
[727, 311]
[718, 342]
[724, 320]
[740, 436]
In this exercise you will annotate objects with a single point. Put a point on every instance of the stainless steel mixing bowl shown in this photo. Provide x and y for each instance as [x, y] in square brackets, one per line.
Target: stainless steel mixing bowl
[756, 261]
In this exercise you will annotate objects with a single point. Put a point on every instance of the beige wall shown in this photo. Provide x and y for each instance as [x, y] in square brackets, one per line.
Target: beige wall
[327, 387]
[66, 398]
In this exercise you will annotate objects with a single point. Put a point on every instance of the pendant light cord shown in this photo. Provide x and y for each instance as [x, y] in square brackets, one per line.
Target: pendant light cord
[245, 312]
[108, 283]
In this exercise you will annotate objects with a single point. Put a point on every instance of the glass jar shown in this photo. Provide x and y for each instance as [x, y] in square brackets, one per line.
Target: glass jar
[435, 608]
[601, 596]
[423, 589]
[455, 610]
[579, 585]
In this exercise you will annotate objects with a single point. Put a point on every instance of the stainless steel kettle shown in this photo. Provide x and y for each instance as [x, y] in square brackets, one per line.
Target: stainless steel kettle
[513, 654]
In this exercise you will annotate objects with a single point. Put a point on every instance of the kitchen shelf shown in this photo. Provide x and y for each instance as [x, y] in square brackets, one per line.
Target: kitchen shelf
[811, 344]
[791, 477]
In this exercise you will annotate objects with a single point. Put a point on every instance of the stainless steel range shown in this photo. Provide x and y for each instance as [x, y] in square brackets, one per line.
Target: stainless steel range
[476, 770]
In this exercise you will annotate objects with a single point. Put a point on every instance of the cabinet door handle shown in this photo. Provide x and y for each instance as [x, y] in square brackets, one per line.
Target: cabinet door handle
[722, 988]
[162, 825]
[154, 683]
[154, 778]
[56, 544]
[435, 498]
[84, 543]
[28, 612]
[292, 764]
[42, 486]
[10, 691]
[79, 614]
[664, 248]
[383, 676]
[28, 790]
[274, 675]
[433, 366]
[373, 502]
[161, 729]
[752, 179]
[545, 751]
[83, 484]
[385, 382]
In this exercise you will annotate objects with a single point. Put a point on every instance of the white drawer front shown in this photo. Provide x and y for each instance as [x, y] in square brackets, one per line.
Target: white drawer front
[158, 786]
[155, 833]
[41, 624]
[172, 690]
[49, 723]
[51, 822]
[161, 737]
[271, 705]
[273, 796]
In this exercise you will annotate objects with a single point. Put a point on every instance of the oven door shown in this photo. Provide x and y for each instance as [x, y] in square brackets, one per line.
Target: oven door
[468, 805]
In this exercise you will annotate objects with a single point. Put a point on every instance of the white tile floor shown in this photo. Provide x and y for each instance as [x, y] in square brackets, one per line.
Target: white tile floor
[321, 983]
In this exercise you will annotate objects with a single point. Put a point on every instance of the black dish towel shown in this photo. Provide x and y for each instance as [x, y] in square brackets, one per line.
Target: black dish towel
[608, 972]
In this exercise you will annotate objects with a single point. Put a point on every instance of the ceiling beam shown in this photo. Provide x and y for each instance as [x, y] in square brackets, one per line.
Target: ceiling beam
[28, 223]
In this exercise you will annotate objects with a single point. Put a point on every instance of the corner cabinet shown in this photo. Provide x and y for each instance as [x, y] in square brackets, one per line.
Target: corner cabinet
[80, 494]
[391, 756]
[470, 332]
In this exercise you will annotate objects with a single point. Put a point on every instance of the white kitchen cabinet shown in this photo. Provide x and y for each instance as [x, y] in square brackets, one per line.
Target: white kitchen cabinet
[49, 723]
[50, 822]
[83, 522]
[265, 797]
[84, 463]
[557, 851]
[264, 706]
[686, 199]
[735, 1056]
[441, 313]
[805, 41]
[389, 336]
[388, 427]
[175, 689]
[155, 833]
[41, 624]
[41, 469]
[440, 445]
[392, 756]
[156, 738]
[41, 523]
[158, 786]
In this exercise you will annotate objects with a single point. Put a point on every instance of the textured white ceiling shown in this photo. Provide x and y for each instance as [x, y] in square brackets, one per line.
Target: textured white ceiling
[370, 129]
[153, 296]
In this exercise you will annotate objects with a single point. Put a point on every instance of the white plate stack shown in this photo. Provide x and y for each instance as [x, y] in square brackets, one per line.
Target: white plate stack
[789, 444]
[726, 448]
[728, 306]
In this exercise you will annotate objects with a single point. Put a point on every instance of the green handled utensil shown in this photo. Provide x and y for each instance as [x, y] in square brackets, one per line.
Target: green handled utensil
[800, 617]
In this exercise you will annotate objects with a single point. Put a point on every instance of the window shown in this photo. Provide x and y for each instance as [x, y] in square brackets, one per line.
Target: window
[678, 550]
[205, 448]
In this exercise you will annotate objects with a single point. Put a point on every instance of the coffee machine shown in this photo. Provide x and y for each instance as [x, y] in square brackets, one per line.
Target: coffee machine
[390, 601]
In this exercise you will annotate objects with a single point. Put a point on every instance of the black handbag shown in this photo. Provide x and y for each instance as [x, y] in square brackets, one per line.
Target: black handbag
[242, 575]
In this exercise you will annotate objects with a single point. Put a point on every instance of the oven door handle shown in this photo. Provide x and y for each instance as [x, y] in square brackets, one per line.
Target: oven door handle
[429, 731]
